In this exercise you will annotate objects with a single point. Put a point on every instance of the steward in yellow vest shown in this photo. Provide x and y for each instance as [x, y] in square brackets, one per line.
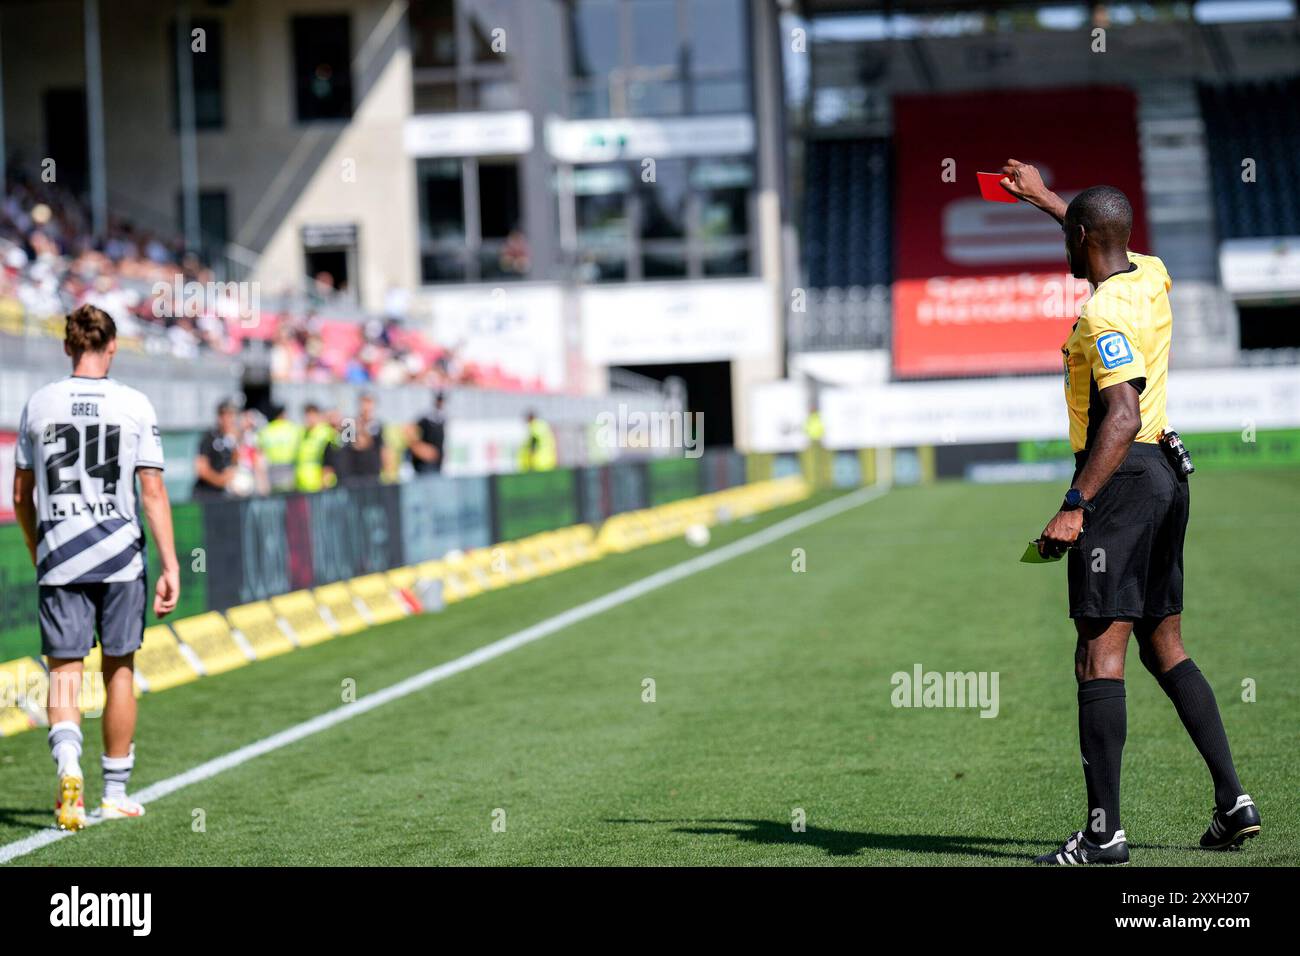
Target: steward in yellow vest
[279, 440]
[538, 451]
[317, 437]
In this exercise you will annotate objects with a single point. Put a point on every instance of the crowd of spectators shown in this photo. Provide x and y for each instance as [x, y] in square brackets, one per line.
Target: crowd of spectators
[53, 263]
[309, 331]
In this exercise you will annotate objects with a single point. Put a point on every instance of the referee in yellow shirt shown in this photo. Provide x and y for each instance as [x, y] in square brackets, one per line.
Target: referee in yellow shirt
[1124, 517]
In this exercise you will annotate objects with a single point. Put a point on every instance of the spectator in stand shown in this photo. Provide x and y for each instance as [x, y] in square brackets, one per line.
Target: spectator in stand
[319, 438]
[279, 441]
[514, 254]
[288, 357]
[214, 466]
[355, 372]
[426, 439]
[323, 289]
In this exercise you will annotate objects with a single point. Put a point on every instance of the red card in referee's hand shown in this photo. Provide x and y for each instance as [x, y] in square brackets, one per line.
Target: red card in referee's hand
[990, 189]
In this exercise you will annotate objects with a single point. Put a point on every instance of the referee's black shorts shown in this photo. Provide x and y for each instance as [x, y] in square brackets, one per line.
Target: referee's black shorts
[1129, 562]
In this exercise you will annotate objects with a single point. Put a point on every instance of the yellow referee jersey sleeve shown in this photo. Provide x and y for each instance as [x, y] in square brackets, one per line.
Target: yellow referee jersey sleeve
[1111, 343]
[1123, 335]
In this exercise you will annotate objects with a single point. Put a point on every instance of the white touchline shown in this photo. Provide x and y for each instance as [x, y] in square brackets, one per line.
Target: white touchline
[629, 592]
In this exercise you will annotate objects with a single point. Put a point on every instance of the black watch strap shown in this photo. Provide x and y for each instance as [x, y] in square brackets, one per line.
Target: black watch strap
[1075, 501]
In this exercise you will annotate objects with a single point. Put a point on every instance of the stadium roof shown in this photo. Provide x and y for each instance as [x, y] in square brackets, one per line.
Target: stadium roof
[1244, 9]
[815, 7]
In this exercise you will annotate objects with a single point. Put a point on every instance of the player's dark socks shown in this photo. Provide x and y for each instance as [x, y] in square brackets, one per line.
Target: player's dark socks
[1103, 726]
[1194, 700]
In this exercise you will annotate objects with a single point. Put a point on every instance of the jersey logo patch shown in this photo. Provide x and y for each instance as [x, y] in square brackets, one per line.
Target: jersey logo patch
[1114, 349]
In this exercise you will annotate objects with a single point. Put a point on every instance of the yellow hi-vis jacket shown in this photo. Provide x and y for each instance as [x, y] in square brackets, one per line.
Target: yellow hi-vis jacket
[311, 456]
[538, 451]
[279, 441]
[813, 427]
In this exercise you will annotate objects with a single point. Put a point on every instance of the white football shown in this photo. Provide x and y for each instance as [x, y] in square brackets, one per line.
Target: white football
[697, 535]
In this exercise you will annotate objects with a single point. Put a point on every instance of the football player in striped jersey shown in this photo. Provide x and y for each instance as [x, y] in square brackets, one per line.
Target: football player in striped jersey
[83, 442]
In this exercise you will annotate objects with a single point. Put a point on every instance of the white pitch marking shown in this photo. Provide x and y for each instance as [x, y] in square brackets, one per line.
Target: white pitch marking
[629, 592]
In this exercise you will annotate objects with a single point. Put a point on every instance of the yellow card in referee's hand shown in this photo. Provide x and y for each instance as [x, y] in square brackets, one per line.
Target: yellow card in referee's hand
[1031, 555]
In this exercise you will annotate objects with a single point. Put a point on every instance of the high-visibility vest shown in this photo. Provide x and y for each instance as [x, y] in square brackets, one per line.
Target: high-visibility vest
[538, 453]
[279, 441]
[813, 426]
[311, 456]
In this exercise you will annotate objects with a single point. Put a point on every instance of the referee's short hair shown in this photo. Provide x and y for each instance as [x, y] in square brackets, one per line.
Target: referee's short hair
[1103, 211]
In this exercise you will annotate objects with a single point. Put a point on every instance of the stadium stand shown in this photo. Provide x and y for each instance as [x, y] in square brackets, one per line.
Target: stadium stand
[1257, 120]
[847, 210]
[147, 282]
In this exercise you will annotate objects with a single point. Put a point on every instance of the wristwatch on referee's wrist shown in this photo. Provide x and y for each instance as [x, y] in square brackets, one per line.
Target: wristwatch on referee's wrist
[1075, 501]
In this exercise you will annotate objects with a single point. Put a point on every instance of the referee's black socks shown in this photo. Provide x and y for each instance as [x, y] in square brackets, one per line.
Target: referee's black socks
[1194, 700]
[1103, 725]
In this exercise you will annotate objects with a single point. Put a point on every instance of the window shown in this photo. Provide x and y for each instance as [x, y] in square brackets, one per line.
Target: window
[442, 219]
[662, 219]
[691, 220]
[322, 67]
[503, 249]
[205, 67]
[498, 190]
[433, 33]
[596, 37]
[723, 188]
[663, 200]
[457, 63]
[456, 246]
[484, 18]
[603, 222]
[442, 195]
[599, 194]
[213, 223]
[658, 57]
[718, 71]
[656, 40]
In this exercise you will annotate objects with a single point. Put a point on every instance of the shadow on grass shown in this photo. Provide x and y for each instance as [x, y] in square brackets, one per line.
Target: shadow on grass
[844, 842]
[850, 843]
[29, 818]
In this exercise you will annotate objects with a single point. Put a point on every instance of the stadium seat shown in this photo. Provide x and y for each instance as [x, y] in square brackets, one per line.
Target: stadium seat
[1257, 120]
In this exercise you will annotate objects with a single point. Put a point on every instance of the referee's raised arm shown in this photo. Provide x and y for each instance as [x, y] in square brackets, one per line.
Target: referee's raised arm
[1026, 184]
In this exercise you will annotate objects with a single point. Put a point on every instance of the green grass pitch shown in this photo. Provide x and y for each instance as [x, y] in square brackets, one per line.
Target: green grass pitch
[772, 695]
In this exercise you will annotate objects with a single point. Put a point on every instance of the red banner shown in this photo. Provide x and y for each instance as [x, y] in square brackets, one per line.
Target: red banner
[981, 287]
